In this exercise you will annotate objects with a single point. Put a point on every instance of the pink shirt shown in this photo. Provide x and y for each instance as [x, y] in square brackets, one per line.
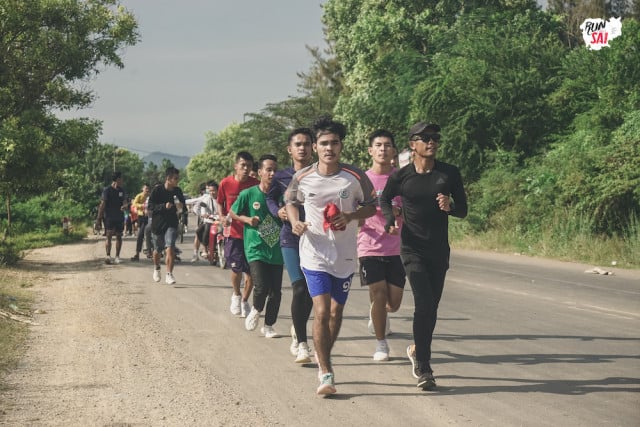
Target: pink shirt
[372, 239]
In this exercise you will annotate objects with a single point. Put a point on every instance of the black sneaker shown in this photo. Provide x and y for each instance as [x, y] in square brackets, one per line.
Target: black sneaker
[426, 381]
[136, 257]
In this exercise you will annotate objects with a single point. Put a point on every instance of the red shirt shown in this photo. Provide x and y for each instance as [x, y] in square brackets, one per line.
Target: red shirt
[228, 192]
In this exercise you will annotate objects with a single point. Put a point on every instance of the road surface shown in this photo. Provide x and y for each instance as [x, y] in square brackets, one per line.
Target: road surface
[519, 342]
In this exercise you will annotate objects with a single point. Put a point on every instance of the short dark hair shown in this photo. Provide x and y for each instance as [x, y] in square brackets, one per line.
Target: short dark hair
[381, 133]
[212, 183]
[296, 131]
[171, 171]
[267, 157]
[116, 176]
[244, 155]
[325, 124]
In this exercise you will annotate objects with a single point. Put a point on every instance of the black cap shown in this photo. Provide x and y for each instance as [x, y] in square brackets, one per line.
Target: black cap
[419, 128]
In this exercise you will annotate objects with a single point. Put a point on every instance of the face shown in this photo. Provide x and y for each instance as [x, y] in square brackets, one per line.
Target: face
[300, 148]
[242, 168]
[426, 144]
[172, 181]
[266, 172]
[328, 147]
[145, 190]
[213, 191]
[382, 150]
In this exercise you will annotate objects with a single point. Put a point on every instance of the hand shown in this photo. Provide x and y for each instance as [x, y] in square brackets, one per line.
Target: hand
[254, 221]
[299, 228]
[282, 214]
[340, 221]
[444, 202]
[393, 230]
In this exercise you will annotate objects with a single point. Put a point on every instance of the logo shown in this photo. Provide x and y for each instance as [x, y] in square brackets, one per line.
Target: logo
[346, 286]
[256, 205]
[597, 33]
[343, 194]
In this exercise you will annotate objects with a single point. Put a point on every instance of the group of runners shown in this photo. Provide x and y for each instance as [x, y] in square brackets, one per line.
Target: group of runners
[321, 220]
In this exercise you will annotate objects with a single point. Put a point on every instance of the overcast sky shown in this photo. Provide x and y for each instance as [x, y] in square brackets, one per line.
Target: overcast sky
[202, 64]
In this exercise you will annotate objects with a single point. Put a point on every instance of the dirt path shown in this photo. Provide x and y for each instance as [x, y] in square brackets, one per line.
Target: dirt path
[98, 358]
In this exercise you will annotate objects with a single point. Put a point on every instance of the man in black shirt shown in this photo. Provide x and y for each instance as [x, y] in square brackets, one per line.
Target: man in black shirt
[113, 203]
[164, 226]
[426, 186]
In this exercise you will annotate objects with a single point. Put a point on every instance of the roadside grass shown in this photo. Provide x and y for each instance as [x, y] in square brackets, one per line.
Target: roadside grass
[567, 239]
[16, 295]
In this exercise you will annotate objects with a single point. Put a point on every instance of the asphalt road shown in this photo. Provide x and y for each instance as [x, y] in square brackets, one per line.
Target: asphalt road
[519, 341]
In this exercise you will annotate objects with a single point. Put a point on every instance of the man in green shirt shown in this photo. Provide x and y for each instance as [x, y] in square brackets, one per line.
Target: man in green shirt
[261, 237]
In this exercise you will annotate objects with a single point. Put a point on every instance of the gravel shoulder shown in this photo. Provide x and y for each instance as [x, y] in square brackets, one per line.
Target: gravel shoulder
[97, 357]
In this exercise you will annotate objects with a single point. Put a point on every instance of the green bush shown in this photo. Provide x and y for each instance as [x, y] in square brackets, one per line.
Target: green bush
[43, 213]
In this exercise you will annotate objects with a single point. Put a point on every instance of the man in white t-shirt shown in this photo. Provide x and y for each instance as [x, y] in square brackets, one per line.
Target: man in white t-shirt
[381, 268]
[335, 196]
[206, 208]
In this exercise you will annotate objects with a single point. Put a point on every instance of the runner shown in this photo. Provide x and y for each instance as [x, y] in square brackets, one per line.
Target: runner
[299, 148]
[379, 252]
[113, 203]
[164, 225]
[205, 207]
[335, 196]
[235, 259]
[261, 247]
[426, 186]
[138, 205]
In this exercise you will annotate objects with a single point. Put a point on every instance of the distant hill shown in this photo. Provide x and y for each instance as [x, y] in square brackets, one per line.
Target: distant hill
[157, 157]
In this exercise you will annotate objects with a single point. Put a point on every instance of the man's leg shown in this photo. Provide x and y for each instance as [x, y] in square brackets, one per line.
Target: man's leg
[379, 297]
[322, 338]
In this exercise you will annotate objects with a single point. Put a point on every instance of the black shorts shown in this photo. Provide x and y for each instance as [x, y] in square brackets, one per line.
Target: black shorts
[115, 225]
[203, 232]
[378, 268]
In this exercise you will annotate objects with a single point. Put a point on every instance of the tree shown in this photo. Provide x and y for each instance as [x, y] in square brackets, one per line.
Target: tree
[48, 47]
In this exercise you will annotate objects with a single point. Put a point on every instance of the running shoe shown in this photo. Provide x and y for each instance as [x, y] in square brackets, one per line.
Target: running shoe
[327, 385]
[303, 355]
[117, 260]
[136, 257]
[235, 304]
[245, 308]
[108, 260]
[156, 275]
[194, 258]
[269, 332]
[251, 322]
[382, 351]
[415, 369]
[293, 348]
[169, 279]
[427, 381]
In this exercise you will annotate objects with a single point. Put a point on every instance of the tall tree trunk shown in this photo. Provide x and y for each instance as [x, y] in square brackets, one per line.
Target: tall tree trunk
[7, 231]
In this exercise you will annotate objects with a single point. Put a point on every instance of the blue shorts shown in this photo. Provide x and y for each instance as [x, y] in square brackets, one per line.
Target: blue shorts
[234, 255]
[320, 282]
[292, 262]
[165, 240]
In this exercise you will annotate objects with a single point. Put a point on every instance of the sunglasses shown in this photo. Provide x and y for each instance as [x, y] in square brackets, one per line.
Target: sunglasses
[426, 137]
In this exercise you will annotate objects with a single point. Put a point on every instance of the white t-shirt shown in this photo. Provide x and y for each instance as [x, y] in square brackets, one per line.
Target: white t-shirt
[331, 251]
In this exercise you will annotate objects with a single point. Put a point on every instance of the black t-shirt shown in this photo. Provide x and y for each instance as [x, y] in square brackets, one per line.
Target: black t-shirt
[164, 218]
[114, 199]
[425, 226]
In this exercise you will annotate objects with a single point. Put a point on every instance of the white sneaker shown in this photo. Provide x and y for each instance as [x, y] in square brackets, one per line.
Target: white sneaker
[194, 259]
[293, 348]
[269, 332]
[303, 355]
[235, 304]
[251, 322]
[169, 279]
[382, 351]
[116, 260]
[245, 308]
[156, 275]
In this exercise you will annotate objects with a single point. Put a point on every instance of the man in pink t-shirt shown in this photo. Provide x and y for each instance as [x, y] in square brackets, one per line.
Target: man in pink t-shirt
[235, 259]
[378, 251]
